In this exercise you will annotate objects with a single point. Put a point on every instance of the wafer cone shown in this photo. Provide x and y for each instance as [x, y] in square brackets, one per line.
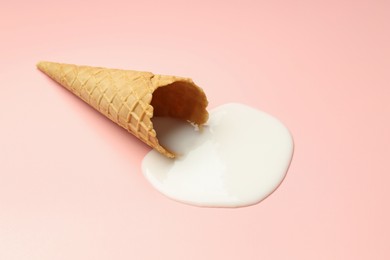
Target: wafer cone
[131, 98]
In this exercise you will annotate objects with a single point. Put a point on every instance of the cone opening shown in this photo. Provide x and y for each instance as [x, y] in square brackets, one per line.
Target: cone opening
[182, 100]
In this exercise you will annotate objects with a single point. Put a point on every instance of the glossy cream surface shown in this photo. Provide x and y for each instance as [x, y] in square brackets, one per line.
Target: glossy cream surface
[237, 159]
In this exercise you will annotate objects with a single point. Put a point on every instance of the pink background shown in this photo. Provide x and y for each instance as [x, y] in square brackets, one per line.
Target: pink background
[70, 180]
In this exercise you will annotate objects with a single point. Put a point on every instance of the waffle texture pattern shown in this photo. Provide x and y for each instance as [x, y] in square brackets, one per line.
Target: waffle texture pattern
[125, 96]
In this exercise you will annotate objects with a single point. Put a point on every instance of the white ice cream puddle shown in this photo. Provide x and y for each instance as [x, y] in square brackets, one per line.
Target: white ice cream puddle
[238, 159]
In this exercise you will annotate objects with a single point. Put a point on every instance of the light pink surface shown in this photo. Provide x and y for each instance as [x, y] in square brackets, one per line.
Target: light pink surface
[70, 180]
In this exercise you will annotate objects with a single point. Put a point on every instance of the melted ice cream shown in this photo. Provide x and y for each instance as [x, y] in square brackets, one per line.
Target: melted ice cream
[237, 159]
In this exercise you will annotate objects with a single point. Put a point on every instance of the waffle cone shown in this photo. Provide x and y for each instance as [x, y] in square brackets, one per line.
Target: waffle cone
[131, 98]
